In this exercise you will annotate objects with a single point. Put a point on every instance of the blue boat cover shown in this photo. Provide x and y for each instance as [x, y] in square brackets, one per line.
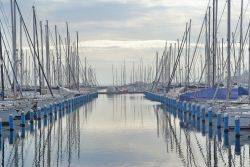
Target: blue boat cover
[210, 93]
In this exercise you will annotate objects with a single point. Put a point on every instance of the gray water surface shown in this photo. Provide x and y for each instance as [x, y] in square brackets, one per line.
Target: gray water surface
[119, 130]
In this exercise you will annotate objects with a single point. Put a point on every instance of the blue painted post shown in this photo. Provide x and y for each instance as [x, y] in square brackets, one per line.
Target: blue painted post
[210, 117]
[237, 127]
[203, 114]
[1, 128]
[31, 117]
[22, 119]
[219, 120]
[193, 110]
[39, 115]
[237, 135]
[198, 112]
[11, 122]
[226, 129]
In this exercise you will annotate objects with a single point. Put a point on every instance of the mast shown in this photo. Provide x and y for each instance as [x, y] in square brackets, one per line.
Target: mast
[85, 63]
[215, 9]
[228, 48]
[186, 58]
[249, 68]
[41, 34]
[21, 54]
[189, 47]
[34, 49]
[241, 40]
[209, 48]
[47, 51]
[1, 65]
[77, 62]
[57, 55]
[68, 53]
[13, 21]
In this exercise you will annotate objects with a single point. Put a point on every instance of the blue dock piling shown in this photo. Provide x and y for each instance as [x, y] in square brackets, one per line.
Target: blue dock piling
[31, 117]
[226, 129]
[219, 119]
[11, 122]
[39, 116]
[198, 112]
[237, 127]
[203, 114]
[210, 117]
[1, 128]
[22, 119]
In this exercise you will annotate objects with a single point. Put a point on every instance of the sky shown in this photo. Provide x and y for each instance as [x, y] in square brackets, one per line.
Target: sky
[116, 31]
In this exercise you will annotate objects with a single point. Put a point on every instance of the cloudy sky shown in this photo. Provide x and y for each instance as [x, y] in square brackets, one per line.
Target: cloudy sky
[112, 31]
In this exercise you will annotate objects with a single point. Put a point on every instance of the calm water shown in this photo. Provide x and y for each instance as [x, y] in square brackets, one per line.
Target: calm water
[120, 130]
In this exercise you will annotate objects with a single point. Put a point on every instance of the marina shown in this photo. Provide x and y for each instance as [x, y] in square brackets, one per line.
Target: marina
[110, 83]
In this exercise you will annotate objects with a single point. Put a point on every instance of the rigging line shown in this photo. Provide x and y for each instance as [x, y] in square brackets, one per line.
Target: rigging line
[14, 75]
[5, 17]
[31, 43]
[238, 62]
[177, 61]
[6, 38]
[201, 30]
[68, 63]
[83, 70]
[224, 8]
[6, 70]
[162, 63]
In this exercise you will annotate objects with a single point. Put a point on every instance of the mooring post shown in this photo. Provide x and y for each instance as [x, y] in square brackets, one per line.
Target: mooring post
[226, 129]
[237, 126]
[198, 111]
[1, 128]
[203, 114]
[210, 117]
[219, 120]
[22, 119]
[193, 110]
[237, 135]
[31, 117]
[11, 122]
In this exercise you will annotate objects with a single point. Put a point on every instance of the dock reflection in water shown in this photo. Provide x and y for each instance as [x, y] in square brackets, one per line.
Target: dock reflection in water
[121, 130]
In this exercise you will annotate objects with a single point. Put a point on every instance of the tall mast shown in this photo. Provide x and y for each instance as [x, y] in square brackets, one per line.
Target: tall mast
[209, 48]
[42, 62]
[189, 47]
[186, 58]
[57, 55]
[77, 62]
[34, 49]
[13, 21]
[228, 48]
[249, 67]
[241, 40]
[1, 65]
[60, 61]
[215, 9]
[21, 54]
[68, 54]
[47, 51]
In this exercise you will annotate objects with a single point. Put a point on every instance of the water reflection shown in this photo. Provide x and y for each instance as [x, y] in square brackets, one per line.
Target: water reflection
[122, 130]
